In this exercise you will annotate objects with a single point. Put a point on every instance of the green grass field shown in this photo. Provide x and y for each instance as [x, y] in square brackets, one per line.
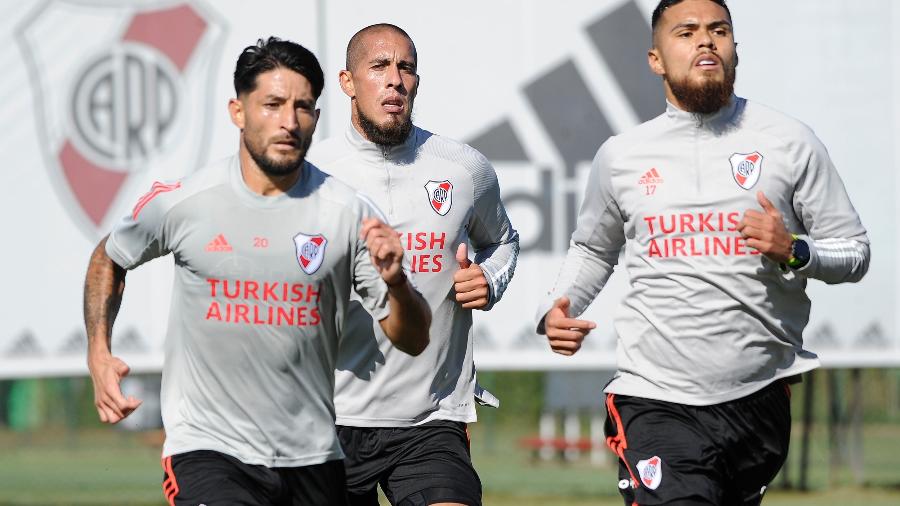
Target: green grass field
[110, 467]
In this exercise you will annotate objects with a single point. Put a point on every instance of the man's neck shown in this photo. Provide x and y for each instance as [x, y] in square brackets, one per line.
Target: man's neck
[265, 184]
[354, 120]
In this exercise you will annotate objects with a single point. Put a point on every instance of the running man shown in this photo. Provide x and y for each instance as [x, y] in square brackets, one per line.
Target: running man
[267, 249]
[725, 208]
[402, 420]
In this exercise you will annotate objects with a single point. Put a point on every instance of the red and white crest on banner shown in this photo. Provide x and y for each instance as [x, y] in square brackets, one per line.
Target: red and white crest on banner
[650, 471]
[440, 195]
[746, 168]
[310, 251]
[123, 96]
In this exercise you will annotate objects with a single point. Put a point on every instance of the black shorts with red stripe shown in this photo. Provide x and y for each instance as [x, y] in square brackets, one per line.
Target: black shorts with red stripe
[215, 479]
[415, 466]
[675, 454]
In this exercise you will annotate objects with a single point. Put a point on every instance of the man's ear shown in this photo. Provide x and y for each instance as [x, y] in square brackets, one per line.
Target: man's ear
[346, 79]
[236, 111]
[655, 62]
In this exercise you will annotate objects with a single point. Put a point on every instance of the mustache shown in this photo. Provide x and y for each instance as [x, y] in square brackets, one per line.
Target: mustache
[289, 137]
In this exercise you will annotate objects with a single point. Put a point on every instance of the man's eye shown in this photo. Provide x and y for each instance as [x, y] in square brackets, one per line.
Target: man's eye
[684, 35]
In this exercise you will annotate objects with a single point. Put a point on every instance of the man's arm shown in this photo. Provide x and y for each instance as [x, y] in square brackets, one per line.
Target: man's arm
[833, 260]
[481, 284]
[837, 241]
[593, 254]
[407, 325]
[104, 285]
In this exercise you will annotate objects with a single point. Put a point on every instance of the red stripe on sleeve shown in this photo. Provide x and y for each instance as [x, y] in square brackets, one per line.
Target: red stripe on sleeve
[155, 190]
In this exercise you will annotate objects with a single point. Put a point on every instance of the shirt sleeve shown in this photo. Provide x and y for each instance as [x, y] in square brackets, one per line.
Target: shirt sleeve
[367, 282]
[595, 245]
[494, 240]
[839, 245]
[141, 235]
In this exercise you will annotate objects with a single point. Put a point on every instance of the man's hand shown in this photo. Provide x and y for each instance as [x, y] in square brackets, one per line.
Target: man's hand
[384, 249]
[107, 372]
[765, 231]
[565, 334]
[471, 286]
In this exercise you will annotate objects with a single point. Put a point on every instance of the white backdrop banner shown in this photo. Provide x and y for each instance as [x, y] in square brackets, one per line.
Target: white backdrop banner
[102, 98]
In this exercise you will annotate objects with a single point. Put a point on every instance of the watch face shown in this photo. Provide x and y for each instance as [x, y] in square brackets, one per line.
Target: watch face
[800, 251]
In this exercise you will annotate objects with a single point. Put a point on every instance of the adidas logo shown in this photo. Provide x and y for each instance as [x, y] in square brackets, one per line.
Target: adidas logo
[219, 244]
[650, 177]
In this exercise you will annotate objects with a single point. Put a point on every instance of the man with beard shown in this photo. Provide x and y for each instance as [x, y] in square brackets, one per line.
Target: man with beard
[402, 420]
[725, 208]
[267, 249]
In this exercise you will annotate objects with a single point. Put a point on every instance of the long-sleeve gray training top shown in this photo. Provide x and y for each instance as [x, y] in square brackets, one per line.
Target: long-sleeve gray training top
[438, 193]
[708, 319]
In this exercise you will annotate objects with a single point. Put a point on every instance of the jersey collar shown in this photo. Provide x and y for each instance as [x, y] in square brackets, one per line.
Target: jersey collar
[715, 120]
[376, 153]
[254, 199]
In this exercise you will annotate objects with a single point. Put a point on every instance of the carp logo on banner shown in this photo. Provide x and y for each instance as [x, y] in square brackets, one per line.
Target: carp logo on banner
[746, 168]
[310, 251]
[440, 196]
[123, 94]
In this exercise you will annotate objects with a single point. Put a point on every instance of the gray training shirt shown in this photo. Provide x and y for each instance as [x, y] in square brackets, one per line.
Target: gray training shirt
[708, 319]
[437, 193]
[260, 291]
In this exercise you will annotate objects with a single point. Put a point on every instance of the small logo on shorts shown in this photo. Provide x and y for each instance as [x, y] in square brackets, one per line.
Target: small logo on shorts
[310, 251]
[440, 195]
[651, 472]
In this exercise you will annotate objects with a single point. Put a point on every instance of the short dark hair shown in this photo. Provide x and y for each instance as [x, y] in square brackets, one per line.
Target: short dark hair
[353, 46]
[273, 53]
[665, 4]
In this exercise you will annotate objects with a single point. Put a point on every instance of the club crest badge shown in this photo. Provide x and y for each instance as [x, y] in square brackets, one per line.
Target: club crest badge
[310, 251]
[440, 196]
[746, 168]
[651, 472]
[122, 92]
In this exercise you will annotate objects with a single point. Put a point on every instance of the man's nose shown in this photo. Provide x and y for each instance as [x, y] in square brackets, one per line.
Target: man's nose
[705, 40]
[394, 78]
[289, 119]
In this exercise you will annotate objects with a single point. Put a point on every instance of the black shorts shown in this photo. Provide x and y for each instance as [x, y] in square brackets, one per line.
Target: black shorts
[215, 479]
[675, 454]
[415, 466]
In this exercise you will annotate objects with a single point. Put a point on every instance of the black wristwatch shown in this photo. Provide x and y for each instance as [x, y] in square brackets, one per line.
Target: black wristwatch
[799, 253]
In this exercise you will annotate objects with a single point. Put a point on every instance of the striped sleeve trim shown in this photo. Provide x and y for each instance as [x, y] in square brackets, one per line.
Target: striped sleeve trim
[837, 260]
[499, 279]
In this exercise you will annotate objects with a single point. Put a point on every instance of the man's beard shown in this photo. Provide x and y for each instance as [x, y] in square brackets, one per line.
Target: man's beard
[273, 167]
[393, 134]
[707, 97]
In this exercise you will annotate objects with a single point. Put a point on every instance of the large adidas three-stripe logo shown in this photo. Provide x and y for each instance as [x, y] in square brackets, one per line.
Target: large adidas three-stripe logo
[563, 101]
